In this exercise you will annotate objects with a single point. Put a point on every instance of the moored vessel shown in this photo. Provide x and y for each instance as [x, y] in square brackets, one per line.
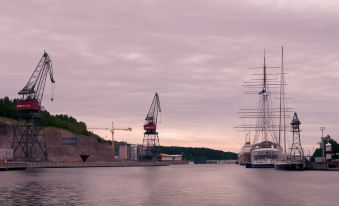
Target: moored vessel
[265, 154]
[266, 148]
[245, 152]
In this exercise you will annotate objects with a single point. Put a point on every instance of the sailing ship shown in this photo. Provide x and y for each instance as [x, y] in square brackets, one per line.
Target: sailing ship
[266, 148]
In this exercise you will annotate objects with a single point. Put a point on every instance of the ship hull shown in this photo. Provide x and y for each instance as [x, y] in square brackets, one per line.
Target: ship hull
[250, 165]
[262, 165]
[264, 155]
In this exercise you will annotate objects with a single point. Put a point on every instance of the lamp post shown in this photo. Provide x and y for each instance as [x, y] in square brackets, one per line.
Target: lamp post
[322, 142]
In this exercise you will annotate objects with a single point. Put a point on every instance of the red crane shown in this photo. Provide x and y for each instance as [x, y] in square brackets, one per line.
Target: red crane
[33, 92]
[29, 142]
[150, 146]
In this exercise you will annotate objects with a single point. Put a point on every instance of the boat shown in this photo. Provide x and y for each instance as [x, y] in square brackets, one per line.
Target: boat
[245, 153]
[264, 154]
[266, 149]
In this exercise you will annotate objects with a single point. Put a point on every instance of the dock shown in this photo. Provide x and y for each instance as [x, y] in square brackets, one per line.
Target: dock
[4, 166]
[31, 165]
[323, 166]
[290, 165]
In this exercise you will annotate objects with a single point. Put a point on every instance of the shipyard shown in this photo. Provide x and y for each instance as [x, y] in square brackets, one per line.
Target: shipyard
[170, 103]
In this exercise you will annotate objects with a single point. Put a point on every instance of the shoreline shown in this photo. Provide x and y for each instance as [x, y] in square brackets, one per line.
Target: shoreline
[32, 165]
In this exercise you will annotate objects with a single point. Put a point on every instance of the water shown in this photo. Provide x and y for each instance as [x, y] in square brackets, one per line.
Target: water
[174, 185]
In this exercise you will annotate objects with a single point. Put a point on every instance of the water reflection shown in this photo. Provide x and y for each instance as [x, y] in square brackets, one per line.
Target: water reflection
[42, 187]
[175, 185]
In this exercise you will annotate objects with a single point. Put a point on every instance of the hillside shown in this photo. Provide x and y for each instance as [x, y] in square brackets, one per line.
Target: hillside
[57, 149]
[7, 110]
[194, 153]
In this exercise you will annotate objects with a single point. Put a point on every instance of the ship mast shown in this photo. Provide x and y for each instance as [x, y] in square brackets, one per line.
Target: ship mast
[270, 122]
[282, 105]
[265, 122]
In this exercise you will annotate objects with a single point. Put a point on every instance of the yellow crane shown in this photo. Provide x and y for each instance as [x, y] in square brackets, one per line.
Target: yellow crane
[111, 130]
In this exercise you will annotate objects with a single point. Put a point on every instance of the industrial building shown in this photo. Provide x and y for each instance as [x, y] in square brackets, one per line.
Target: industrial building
[124, 151]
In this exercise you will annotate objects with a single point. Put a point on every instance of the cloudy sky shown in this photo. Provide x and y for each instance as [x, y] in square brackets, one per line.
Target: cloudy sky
[110, 57]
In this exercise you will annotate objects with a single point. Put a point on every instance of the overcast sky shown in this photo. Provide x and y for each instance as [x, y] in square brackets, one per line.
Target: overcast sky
[110, 57]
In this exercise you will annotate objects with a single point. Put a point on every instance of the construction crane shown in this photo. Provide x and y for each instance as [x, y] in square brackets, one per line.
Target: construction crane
[112, 131]
[29, 142]
[150, 145]
[33, 92]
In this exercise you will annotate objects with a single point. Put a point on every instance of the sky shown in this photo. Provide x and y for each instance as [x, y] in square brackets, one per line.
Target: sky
[110, 57]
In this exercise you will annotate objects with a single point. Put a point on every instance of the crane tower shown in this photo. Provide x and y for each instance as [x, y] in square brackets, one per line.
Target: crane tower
[150, 145]
[296, 151]
[29, 142]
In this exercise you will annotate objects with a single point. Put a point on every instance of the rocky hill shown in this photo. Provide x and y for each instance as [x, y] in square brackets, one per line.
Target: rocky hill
[58, 149]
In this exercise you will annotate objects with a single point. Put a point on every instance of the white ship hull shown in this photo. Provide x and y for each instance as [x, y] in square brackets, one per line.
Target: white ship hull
[264, 157]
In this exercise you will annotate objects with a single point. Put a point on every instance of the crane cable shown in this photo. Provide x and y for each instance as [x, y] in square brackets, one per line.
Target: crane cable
[53, 92]
[160, 118]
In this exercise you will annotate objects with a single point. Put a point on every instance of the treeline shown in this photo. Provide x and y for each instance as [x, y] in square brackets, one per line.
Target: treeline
[194, 153]
[7, 109]
[64, 122]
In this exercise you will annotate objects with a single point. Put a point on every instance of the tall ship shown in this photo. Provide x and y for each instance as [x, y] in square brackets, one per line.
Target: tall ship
[266, 148]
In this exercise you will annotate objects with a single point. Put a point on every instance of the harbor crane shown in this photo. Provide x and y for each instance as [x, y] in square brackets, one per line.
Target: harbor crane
[150, 145]
[29, 143]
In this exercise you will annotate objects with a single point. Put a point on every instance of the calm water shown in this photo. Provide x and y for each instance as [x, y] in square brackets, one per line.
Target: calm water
[174, 185]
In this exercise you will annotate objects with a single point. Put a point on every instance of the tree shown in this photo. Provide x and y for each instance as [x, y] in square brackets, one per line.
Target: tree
[335, 146]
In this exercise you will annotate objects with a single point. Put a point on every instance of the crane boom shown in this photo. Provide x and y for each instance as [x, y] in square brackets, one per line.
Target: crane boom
[151, 119]
[34, 89]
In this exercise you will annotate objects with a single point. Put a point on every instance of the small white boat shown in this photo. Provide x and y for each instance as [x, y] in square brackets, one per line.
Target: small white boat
[245, 154]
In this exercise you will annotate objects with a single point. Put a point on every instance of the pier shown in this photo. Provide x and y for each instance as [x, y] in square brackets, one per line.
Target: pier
[29, 165]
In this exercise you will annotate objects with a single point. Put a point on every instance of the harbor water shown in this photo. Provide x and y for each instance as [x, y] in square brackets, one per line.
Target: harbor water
[176, 185]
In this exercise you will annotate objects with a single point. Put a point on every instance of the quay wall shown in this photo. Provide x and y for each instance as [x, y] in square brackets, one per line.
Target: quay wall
[32, 165]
